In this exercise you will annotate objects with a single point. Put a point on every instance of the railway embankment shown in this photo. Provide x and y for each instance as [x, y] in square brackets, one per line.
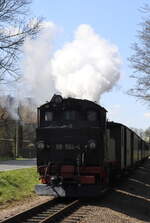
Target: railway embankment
[17, 181]
[16, 185]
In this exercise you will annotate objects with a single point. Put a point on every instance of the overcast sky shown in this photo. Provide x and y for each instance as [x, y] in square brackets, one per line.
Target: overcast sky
[116, 21]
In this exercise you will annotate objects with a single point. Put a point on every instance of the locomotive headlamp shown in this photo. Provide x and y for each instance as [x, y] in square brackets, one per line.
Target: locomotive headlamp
[92, 144]
[40, 145]
[55, 180]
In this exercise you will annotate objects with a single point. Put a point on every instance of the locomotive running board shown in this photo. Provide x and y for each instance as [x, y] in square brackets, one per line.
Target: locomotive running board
[43, 189]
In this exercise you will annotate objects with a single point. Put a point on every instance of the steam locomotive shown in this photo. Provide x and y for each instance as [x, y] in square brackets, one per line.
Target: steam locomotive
[79, 152]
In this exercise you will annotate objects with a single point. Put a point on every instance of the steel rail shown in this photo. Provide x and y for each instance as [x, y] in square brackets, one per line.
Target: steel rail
[47, 212]
[61, 213]
[30, 211]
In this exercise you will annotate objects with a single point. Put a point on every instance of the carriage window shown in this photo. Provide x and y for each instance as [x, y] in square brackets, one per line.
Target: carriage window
[70, 115]
[48, 116]
[59, 146]
[91, 116]
[69, 146]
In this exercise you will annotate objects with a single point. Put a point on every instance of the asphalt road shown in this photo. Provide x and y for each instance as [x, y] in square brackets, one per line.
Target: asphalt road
[16, 164]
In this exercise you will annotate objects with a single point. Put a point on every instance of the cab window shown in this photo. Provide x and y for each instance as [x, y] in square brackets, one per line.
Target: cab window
[70, 115]
[48, 116]
[91, 116]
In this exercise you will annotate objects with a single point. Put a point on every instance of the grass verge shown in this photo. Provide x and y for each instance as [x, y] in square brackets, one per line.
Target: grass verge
[5, 158]
[17, 184]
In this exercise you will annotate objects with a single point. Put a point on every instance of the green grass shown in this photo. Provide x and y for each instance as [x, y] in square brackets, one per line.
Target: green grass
[5, 158]
[17, 184]
[21, 158]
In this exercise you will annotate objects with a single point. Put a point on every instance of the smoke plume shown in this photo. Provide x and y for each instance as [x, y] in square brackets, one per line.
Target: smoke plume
[37, 81]
[84, 68]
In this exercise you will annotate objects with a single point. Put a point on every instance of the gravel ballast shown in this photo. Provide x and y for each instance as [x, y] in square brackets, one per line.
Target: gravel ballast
[127, 203]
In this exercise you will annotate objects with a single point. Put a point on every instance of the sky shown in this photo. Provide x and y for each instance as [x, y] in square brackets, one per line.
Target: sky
[116, 21]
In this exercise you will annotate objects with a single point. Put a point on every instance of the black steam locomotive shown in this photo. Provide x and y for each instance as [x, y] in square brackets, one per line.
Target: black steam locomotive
[79, 152]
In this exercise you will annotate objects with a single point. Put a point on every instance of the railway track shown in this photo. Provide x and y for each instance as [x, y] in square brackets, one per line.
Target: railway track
[57, 210]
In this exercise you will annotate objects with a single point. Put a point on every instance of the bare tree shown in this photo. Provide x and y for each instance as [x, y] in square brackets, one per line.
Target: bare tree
[15, 26]
[144, 134]
[147, 134]
[140, 60]
[139, 132]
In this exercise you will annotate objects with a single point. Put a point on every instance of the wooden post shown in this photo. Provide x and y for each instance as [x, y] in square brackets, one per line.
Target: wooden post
[16, 140]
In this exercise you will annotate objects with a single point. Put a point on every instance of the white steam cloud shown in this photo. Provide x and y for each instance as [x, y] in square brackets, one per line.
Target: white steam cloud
[84, 68]
[37, 81]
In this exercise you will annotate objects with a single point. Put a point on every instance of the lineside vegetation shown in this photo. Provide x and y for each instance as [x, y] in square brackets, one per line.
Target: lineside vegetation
[17, 184]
